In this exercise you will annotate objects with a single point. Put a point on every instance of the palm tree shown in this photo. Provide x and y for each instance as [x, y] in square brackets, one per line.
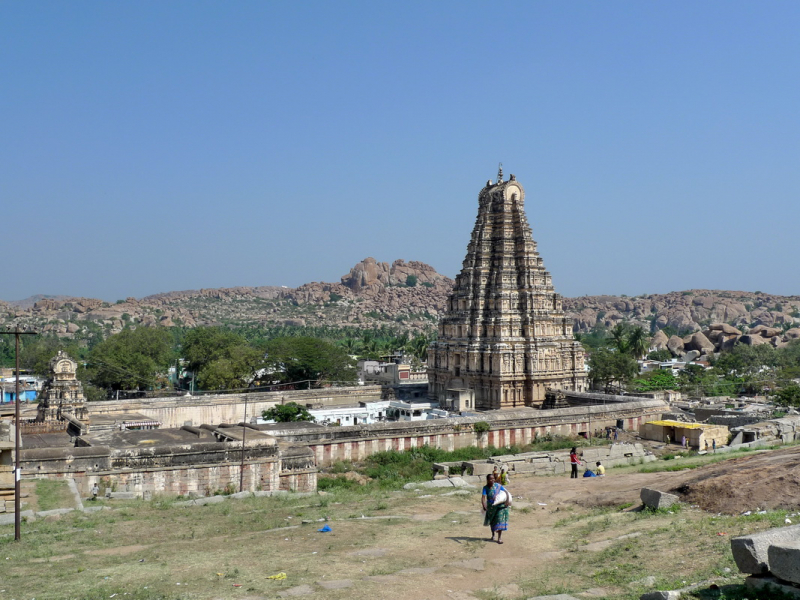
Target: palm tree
[638, 342]
[619, 337]
[351, 345]
[419, 347]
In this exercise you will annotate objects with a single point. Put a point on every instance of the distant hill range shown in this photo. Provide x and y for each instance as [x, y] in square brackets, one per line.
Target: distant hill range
[409, 295]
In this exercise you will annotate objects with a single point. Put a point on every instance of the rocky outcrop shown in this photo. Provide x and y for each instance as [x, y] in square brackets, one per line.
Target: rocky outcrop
[376, 293]
[675, 345]
[659, 341]
[701, 343]
[369, 273]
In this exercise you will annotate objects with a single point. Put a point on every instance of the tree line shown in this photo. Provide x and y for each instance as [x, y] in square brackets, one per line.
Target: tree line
[743, 369]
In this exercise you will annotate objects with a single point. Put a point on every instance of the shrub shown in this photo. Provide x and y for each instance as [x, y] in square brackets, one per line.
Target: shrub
[481, 427]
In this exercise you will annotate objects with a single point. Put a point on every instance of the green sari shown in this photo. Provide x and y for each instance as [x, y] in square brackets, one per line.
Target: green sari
[496, 516]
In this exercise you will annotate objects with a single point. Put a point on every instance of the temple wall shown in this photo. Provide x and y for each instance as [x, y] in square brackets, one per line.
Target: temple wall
[178, 469]
[177, 411]
[506, 428]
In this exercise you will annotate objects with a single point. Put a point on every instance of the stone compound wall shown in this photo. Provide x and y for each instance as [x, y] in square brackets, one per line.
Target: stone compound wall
[548, 463]
[506, 428]
[201, 468]
[174, 412]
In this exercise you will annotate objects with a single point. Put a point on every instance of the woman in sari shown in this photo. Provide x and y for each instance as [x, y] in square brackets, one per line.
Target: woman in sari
[496, 512]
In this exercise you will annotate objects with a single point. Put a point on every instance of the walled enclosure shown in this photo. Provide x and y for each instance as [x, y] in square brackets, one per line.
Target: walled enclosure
[288, 458]
[176, 411]
[198, 468]
[507, 428]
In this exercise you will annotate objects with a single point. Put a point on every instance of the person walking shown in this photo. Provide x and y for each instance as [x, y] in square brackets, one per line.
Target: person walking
[574, 461]
[496, 501]
[504, 478]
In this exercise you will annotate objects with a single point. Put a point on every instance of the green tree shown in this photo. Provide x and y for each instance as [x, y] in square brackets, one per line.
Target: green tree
[351, 345]
[287, 413]
[131, 359]
[411, 280]
[35, 355]
[203, 345]
[607, 366]
[662, 355]
[295, 359]
[596, 338]
[220, 358]
[419, 347]
[620, 335]
[788, 395]
[638, 342]
[656, 380]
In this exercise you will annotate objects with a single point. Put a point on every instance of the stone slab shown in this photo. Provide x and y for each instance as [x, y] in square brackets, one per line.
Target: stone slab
[240, 495]
[8, 518]
[751, 551]
[418, 571]
[667, 595]
[55, 511]
[768, 583]
[504, 592]
[382, 578]
[124, 496]
[784, 561]
[335, 584]
[477, 467]
[458, 493]
[73, 487]
[657, 499]
[472, 564]
[370, 552]
[203, 501]
[554, 597]
[436, 483]
[460, 482]
[300, 590]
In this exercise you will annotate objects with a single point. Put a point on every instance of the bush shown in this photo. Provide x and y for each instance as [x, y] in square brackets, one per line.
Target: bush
[481, 427]
[336, 483]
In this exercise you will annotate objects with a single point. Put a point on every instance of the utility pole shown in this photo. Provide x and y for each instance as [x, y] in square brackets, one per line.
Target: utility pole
[244, 437]
[17, 440]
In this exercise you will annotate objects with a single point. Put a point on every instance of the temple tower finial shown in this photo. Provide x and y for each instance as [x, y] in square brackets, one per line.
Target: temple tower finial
[500, 173]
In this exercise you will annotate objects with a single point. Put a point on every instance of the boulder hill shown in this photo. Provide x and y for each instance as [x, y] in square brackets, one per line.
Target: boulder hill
[411, 295]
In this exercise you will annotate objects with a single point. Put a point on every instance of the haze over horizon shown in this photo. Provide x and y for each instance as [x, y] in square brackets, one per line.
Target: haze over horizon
[156, 147]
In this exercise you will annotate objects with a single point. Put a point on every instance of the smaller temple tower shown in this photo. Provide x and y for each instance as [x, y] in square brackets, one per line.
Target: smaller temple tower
[62, 393]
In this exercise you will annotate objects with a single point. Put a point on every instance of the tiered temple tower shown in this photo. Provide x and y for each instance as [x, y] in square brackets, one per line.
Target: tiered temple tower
[62, 393]
[504, 339]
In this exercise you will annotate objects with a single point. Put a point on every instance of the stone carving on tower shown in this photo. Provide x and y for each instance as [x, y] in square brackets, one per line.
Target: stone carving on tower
[504, 338]
[62, 393]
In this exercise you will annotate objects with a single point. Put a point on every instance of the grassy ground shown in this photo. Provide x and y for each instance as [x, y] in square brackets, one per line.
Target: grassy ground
[156, 550]
[52, 494]
[390, 543]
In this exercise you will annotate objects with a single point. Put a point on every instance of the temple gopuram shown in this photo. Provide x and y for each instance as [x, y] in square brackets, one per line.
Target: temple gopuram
[61, 399]
[504, 339]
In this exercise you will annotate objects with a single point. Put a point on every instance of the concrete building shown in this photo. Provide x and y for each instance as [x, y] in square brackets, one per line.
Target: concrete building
[504, 339]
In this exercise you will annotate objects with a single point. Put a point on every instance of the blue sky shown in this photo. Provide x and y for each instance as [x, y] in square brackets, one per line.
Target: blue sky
[157, 146]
